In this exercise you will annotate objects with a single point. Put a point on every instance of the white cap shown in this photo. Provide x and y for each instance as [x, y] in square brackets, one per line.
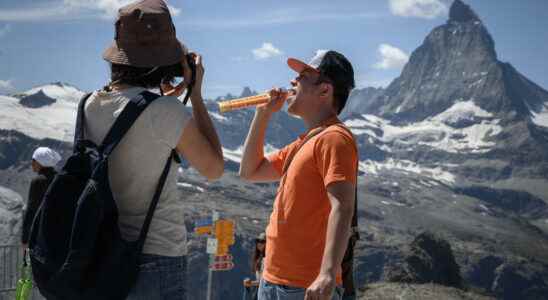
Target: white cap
[46, 157]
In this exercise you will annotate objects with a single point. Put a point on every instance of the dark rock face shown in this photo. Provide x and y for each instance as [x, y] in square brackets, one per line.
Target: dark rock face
[483, 273]
[461, 12]
[39, 99]
[247, 92]
[512, 282]
[430, 259]
[515, 202]
[365, 101]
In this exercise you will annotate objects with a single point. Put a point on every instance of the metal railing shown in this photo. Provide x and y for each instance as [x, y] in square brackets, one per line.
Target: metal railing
[11, 262]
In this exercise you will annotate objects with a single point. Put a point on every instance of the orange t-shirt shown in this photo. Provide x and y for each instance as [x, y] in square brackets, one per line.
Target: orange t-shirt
[298, 224]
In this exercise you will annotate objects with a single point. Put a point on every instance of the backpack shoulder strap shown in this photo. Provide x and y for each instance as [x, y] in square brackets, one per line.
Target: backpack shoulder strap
[125, 120]
[155, 198]
[121, 126]
[354, 225]
[80, 122]
[292, 154]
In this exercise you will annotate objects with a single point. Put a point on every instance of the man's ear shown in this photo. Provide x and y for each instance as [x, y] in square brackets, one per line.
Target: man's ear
[326, 90]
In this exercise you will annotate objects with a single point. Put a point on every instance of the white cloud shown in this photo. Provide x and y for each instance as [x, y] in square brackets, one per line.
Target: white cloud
[267, 50]
[427, 9]
[69, 10]
[5, 30]
[174, 10]
[391, 57]
[6, 86]
[107, 8]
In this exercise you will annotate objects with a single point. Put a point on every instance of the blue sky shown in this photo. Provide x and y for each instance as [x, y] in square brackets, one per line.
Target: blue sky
[246, 43]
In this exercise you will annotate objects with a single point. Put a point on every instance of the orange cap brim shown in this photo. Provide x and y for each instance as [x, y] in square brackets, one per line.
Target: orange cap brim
[299, 66]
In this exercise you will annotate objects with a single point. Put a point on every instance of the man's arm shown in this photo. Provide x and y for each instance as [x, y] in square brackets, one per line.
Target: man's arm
[341, 197]
[254, 166]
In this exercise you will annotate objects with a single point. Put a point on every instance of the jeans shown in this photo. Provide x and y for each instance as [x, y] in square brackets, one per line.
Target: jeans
[250, 293]
[271, 291]
[160, 277]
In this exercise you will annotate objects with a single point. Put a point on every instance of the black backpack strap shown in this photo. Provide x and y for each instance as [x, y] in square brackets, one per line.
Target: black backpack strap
[354, 226]
[347, 264]
[154, 202]
[125, 120]
[121, 126]
[80, 123]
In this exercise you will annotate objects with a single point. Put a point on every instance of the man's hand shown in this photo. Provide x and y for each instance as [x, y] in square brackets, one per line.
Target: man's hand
[247, 282]
[322, 288]
[277, 99]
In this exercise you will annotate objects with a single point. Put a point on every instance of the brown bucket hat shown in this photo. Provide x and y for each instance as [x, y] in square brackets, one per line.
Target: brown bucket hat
[145, 36]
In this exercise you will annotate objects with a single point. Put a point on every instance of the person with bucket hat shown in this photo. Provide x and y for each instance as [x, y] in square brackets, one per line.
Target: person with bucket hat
[310, 225]
[43, 163]
[146, 54]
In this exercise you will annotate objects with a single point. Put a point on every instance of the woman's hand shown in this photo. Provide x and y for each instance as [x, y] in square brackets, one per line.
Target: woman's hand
[199, 71]
[169, 90]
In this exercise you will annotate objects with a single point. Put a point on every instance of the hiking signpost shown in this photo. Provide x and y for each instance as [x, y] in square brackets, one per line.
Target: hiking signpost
[220, 237]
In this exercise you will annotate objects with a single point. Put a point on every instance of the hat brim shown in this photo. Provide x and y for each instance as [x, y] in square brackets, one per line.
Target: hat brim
[299, 66]
[148, 56]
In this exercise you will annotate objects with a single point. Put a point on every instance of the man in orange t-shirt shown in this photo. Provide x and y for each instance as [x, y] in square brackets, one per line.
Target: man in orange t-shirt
[309, 227]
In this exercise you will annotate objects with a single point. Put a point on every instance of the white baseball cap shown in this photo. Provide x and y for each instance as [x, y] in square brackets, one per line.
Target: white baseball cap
[46, 157]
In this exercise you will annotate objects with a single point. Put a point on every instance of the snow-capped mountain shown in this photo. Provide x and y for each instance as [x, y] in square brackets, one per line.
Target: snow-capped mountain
[456, 106]
[456, 62]
[47, 111]
[58, 90]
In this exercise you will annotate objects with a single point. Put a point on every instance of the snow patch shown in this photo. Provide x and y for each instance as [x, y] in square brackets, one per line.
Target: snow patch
[409, 167]
[437, 131]
[392, 203]
[477, 82]
[236, 154]
[59, 92]
[218, 116]
[190, 186]
[541, 119]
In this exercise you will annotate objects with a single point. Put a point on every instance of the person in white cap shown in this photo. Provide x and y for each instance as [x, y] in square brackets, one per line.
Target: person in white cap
[43, 163]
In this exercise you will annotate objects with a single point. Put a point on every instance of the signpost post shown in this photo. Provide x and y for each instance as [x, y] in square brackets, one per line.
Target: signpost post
[221, 237]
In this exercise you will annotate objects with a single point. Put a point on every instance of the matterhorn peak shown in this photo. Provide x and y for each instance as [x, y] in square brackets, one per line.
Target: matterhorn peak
[461, 12]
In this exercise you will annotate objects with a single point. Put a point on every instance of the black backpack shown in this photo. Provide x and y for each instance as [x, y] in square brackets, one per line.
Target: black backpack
[76, 248]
